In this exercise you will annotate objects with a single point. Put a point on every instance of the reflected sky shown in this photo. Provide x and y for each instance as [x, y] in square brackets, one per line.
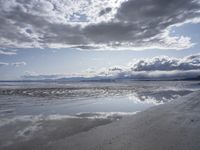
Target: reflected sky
[31, 111]
[71, 99]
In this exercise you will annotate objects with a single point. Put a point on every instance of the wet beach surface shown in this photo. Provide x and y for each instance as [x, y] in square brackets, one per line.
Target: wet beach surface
[42, 113]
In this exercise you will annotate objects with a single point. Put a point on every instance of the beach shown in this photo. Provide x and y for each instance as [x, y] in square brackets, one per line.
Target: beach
[174, 125]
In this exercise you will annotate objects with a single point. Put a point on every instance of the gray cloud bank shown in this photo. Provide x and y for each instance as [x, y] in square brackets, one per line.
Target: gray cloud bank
[161, 67]
[135, 24]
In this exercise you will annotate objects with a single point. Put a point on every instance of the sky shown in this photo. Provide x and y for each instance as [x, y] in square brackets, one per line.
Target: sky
[52, 39]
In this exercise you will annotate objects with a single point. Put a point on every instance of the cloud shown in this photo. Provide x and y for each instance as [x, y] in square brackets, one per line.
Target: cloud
[113, 24]
[157, 75]
[18, 64]
[7, 52]
[15, 64]
[160, 67]
[41, 77]
[3, 64]
[30, 75]
[105, 11]
[164, 63]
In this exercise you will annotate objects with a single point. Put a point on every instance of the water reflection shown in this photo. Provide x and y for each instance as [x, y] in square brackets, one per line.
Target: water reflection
[69, 99]
[42, 111]
[157, 97]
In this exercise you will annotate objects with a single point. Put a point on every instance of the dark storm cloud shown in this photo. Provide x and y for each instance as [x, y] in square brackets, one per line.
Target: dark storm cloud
[109, 32]
[136, 24]
[153, 12]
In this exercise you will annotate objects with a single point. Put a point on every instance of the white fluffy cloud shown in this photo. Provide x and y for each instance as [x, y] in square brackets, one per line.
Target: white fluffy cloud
[93, 24]
[160, 67]
[164, 63]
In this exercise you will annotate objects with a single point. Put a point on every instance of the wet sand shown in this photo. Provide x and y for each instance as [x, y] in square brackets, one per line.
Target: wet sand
[171, 126]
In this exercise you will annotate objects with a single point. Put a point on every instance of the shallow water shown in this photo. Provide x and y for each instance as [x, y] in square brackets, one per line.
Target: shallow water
[71, 98]
[30, 111]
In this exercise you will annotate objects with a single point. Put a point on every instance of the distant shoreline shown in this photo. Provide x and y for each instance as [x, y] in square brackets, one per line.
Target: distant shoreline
[102, 80]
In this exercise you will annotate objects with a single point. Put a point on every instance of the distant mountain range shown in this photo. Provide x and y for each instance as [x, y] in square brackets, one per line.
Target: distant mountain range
[193, 79]
[100, 79]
